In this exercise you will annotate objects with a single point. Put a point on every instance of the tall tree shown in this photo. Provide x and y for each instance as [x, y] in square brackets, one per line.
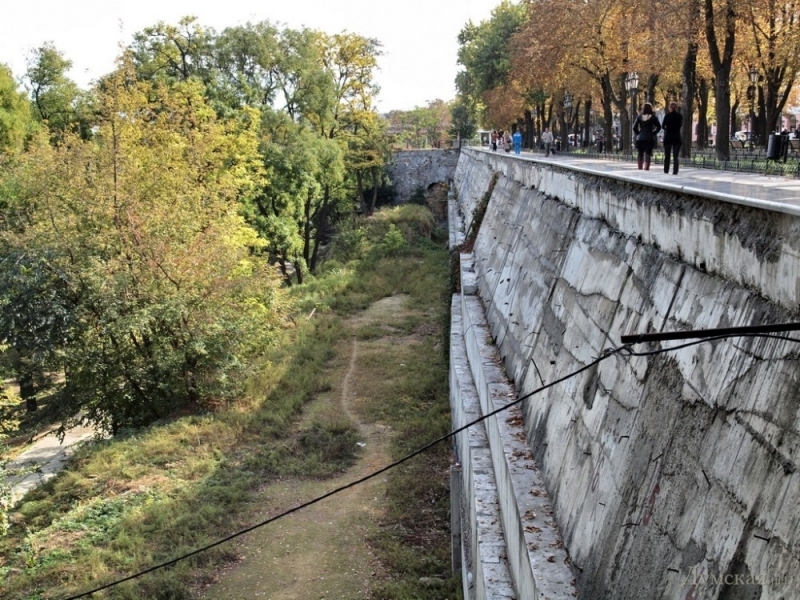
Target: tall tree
[248, 63]
[140, 228]
[775, 49]
[16, 121]
[485, 53]
[54, 95]
[289, 207]
[463, 126]
[173, 52]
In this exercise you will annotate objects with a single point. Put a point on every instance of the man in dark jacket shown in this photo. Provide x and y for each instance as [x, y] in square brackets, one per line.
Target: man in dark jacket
[673, 121]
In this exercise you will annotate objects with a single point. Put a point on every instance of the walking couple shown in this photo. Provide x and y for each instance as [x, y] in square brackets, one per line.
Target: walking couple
[646, 127]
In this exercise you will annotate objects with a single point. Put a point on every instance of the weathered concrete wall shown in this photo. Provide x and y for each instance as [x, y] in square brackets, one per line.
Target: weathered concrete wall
[414, 169]
[665, 471]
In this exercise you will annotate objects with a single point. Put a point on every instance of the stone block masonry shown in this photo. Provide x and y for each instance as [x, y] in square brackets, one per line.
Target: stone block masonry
[671, 476]
[420, 169]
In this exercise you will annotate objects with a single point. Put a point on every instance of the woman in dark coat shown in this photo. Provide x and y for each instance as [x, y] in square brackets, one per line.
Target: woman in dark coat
[673, 121]
[646, 128]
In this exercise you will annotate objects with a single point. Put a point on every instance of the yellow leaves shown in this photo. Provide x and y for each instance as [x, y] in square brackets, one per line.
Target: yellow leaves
[156, 192]
[502, 105]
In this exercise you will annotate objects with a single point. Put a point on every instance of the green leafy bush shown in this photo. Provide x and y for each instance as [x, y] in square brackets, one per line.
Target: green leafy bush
[393, 241]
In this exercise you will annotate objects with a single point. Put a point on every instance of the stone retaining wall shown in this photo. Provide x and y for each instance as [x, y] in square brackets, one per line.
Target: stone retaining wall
[671, 475]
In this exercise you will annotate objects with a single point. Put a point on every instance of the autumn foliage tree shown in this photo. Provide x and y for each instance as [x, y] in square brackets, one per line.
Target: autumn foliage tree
[696, 52]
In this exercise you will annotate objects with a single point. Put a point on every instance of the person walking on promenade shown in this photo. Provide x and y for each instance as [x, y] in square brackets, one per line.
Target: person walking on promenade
[547, 140]
[673, 121]
[494, 141]
[517, 138]
[646, 128]
[507, 144]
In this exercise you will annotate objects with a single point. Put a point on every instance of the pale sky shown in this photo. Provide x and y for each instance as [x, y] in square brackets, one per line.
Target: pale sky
[418, 36]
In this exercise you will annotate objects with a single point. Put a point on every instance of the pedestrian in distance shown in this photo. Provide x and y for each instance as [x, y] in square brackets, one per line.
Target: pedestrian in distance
[494, 141]
[646, 127]
[508, 142]
[517, 139]
[547, 140]
[673, 121]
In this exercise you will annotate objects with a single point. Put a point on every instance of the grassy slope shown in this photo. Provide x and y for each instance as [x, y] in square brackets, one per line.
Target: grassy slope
[153, 494]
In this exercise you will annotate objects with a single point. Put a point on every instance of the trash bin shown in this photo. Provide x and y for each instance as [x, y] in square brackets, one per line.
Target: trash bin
[774, 146]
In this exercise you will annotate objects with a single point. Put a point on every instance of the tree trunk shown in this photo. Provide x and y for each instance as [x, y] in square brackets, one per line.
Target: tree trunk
[689, 74]
[321, 219]
[375, 185]
[723, 99]
[721, 63]
[761, 118]
[734, 126]
[702, 114]
[25, 379]
[587, 123]
[27, 391]
[360, 190]
[283, 268]
[608, 114]
[528, 140]
[775, 100]
[650, 89]
[621, 103]
[306, 240]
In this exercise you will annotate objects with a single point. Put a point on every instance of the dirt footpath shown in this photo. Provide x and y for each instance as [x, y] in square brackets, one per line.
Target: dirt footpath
[322, 551]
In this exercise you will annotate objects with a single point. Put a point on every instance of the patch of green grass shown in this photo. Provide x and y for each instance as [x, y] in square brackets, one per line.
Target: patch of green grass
[316, 451]
[152, 494]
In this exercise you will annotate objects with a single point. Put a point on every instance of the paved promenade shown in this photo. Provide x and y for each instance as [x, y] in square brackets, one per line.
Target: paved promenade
[781, 194]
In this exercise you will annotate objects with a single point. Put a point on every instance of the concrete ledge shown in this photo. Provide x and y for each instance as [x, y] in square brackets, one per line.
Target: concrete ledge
[482, 534]
[469, 279]
[538, 561]
[751, 241]
[455, 220]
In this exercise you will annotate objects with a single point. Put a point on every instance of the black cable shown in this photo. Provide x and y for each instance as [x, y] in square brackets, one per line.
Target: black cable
[607, 353]
[660, 336]
[630, 352]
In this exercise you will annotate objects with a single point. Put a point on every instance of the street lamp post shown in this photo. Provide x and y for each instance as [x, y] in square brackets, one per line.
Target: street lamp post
[752, 73]
[632, 85]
